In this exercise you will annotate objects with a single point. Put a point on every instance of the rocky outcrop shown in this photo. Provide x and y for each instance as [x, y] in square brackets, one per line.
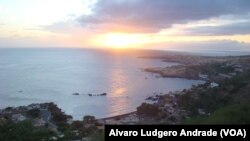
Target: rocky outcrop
[101, 94]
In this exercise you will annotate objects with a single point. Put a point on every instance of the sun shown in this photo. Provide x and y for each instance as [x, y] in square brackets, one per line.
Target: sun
[118, 40]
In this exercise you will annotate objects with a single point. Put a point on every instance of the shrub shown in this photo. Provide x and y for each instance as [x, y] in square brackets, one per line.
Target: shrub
[149, 110]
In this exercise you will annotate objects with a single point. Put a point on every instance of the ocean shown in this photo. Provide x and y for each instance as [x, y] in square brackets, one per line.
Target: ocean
[36, 75]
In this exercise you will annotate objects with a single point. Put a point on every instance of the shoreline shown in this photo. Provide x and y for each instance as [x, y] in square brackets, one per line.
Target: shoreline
[117, 116]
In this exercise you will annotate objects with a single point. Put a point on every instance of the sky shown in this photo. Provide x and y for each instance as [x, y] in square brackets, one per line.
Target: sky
[154, 24]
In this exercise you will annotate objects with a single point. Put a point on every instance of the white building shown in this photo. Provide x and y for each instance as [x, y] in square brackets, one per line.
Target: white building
[33, 106]
[213, 85]
[18, 117]
[203, 76]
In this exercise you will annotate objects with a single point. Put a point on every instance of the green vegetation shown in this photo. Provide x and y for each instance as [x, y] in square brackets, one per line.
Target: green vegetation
[215, 68]
[33, 113]
[23, 131]
[148, 110]
[57, 128]
[58, 117]
[82, 129]
[234, 114]
[97, 136]
[89, 119]
[224, 102]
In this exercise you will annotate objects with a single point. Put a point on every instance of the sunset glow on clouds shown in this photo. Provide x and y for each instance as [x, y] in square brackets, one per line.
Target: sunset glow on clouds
[123, 23]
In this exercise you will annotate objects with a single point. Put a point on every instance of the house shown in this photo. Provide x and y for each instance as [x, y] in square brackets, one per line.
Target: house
[225, 75]
[213, 85]
[238, 69]
[69, 120]
[33, 106]
[18, 117]
[238, 66]
[201, 112]
[203, 76]
[232, 73]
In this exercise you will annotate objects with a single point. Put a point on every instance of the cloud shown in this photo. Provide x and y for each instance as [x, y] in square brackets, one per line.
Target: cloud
[212, 47]
[154, 15]
[239, 28]
[60, 27]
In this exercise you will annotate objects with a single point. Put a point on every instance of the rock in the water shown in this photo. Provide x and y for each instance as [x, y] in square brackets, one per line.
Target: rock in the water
[103, 94]
[75, 93]
[149, 98]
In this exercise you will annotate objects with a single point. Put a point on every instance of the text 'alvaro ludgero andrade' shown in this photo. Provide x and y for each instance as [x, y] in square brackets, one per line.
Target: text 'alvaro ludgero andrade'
[160, 134]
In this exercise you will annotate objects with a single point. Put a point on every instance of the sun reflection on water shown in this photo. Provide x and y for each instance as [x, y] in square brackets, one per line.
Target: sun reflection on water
[118, 95]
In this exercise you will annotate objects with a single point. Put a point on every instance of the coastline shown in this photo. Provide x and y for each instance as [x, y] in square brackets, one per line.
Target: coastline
[227, 85]
[127, 118]
[117, 116]
[190, 68]
[215, 71]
